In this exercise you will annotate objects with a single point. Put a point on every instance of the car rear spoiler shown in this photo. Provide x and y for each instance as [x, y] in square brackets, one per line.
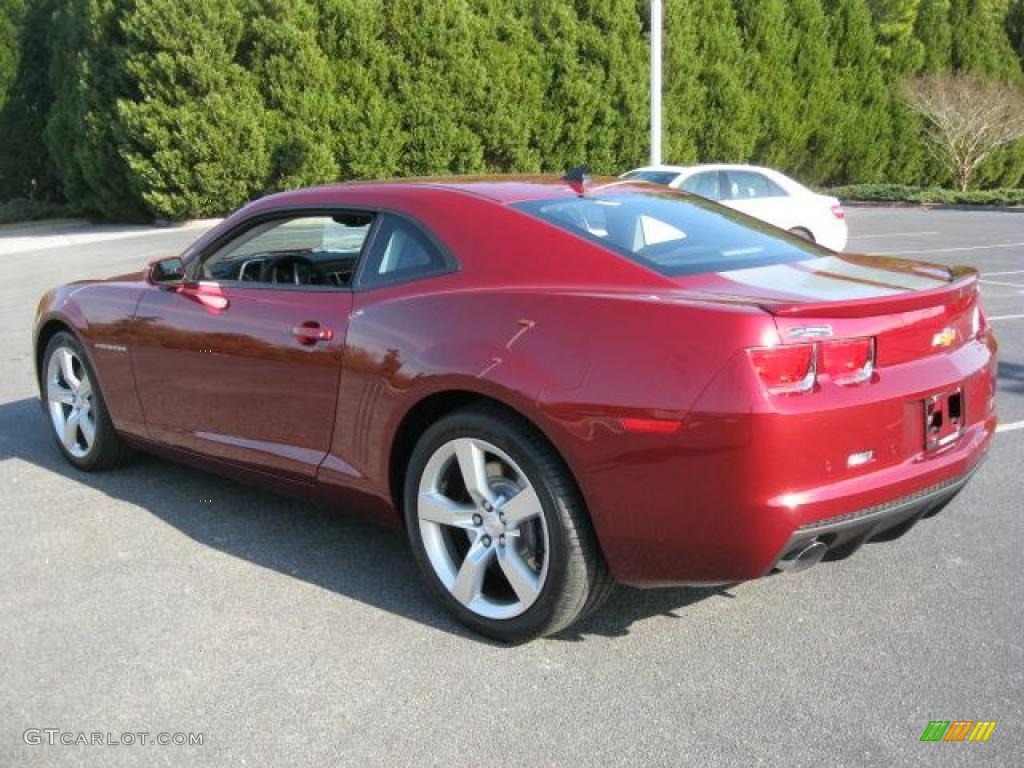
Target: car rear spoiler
[963, 288]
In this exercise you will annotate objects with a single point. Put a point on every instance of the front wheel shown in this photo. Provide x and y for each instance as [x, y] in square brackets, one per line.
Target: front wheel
[499, 528]
[75, 405]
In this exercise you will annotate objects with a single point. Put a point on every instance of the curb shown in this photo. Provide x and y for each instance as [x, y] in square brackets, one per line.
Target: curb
[933, 206]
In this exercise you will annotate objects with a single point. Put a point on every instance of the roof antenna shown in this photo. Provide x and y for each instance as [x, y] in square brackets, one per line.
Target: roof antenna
[577, 177]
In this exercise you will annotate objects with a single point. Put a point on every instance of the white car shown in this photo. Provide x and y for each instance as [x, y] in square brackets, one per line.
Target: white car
[760, 192]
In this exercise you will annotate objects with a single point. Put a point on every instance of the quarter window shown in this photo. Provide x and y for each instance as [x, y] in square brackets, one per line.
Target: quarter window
[400, 251]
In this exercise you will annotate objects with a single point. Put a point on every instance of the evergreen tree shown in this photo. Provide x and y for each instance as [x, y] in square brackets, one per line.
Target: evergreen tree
[865, 130]
[781, 131]
[1015, 27]
[682, 92]
[900, 50]
[932, 28]
[11, 18]
[194, 131]
[437, 83]
[25, 98]
[512, 99]
[295, 80]
[980, 43]
[727, 125]
[369, 141]
[87, 76]
[902, 55]
[595, 93]
[820, 106]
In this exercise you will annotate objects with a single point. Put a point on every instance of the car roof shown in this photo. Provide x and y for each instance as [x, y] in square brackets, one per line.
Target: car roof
[500, 189]
[705, 167]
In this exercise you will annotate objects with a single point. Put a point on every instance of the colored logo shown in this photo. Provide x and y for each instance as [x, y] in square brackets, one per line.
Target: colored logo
[958, 730]
[944, 338]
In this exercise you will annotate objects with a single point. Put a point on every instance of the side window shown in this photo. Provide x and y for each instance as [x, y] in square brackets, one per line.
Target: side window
[400, 251]
[317, 250]
[749, 185]
[705, 184]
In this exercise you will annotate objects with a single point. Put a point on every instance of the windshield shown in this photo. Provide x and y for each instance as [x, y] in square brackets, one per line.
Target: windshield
[673, 234]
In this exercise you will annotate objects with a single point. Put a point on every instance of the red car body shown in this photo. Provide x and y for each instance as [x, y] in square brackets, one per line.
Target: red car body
[692, 471]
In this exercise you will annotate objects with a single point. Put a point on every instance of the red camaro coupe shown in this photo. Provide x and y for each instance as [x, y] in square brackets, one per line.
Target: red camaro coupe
[551, 385]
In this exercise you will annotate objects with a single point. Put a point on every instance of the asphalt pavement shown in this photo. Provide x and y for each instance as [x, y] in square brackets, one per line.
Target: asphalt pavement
[162, 599]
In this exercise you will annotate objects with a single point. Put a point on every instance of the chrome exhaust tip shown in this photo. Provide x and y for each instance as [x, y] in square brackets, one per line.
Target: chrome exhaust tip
[803, 557]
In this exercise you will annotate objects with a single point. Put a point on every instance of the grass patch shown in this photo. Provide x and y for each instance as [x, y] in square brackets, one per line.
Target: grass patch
[20, 209]
[902, 193]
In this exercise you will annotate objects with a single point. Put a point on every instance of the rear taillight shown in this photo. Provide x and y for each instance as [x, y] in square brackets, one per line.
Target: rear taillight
[794, 368]
[847, 361]
[787, 369]
[838, 212]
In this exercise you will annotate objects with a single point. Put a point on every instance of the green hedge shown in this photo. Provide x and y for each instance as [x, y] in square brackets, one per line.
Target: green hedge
[21, 209]
[902, 193]
[179, 108]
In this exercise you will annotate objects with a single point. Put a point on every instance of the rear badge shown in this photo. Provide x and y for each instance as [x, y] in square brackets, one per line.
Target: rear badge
[811, 331]
[944, 338]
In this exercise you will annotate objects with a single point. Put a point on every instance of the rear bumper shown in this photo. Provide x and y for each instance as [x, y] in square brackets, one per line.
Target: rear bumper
[737, 489]
[839, 537]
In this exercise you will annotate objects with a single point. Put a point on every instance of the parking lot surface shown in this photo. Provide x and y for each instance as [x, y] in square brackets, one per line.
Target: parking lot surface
[159, 598]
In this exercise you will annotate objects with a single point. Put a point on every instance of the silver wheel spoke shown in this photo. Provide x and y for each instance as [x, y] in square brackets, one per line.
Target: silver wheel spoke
[521, 507]
[67, 367]
[523, 581]
[58, 394]
[473, 467]
[84, 387]
[470, 578]
[70, 436]
[437, 508]
[87, 427]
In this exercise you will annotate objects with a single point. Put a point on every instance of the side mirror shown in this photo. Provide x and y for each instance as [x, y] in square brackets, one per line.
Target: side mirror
[170, 271]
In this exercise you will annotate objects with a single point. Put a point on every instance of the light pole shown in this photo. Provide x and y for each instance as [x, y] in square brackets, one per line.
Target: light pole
[655, 82]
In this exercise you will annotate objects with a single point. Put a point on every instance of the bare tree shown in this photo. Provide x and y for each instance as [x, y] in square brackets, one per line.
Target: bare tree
[966, 118]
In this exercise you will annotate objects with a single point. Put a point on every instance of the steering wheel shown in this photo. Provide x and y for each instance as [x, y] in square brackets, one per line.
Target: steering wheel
[271, 267]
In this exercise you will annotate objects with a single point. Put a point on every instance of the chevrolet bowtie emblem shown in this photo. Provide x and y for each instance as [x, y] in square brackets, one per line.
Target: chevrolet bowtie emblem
[944, 338]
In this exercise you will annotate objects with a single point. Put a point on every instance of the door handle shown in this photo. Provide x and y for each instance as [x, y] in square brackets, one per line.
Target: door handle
[310, 333]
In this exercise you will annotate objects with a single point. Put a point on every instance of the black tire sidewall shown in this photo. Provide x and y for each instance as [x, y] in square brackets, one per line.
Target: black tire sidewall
[510, 437]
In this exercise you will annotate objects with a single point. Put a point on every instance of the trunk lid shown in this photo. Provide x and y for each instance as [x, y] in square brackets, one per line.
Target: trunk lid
[913, 309]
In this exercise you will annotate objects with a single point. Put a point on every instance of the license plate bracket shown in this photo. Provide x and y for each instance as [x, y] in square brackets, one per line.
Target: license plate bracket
[945, 418]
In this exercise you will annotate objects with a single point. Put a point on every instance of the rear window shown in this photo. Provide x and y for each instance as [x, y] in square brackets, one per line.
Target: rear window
[654, 177]
[673, 234]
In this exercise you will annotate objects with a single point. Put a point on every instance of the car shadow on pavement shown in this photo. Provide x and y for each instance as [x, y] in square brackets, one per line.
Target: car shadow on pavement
[1011, 378]
[321, 546]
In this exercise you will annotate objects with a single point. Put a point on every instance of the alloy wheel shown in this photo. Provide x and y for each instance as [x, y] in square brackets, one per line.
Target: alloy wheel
[483, 528]
[70, 397]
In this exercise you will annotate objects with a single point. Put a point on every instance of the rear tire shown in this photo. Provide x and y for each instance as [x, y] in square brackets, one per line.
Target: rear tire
[77, 412]
[803, 233]
[510, 551]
